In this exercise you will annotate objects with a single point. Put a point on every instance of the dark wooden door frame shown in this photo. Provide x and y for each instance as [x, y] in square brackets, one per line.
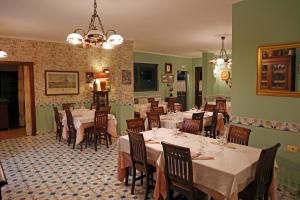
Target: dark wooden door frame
[198, 77]
[32, 94]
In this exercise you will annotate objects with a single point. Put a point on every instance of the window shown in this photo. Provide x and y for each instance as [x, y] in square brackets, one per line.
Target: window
[145, 77]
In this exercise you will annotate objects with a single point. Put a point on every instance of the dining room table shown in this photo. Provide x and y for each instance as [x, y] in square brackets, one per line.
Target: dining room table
[220, 169]
[83, 119]
[175, 120]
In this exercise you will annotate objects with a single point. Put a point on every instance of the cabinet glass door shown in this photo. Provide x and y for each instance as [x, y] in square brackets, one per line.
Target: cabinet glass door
[264, 77]
[279, 76]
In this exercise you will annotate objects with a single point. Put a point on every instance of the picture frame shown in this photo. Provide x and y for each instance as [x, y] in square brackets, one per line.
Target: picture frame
[61, 82]
[164, 78]
[168, 68]
[89, 76]
[126, 77]
[170, 78]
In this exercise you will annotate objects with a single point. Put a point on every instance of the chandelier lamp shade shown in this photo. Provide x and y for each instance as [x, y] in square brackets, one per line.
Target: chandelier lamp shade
[3, 54]
[96, 36]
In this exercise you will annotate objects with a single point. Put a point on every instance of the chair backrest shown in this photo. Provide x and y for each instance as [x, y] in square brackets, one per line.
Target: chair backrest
[238, 135]
[264, 171]
[160, 110]
[221, 105]
[191, 126]
[199, 116]
[70, 120]
[213, 125]
[57, 118]
[68, 106]
[151, 99]
[105, 108]
[178, 165]
[154, 104]
[210, 107]
[153, 120]
[100, 120]
[138, 152]
[136, 125]
[171, 102]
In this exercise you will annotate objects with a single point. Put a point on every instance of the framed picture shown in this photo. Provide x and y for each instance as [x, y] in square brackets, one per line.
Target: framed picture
[89, 76]
[168, 68]
[170, 78]
[126, 77]
[61, 82]
[164, 78]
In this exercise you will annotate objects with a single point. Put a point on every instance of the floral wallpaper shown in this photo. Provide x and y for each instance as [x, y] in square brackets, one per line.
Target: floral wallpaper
[65, 57]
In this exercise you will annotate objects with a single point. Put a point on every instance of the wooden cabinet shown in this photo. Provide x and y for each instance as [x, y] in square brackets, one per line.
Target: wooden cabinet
[276, 73]
[100, 98]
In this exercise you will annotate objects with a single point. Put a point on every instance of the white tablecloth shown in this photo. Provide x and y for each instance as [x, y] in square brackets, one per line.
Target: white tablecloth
[143, 108]
[175, 120]
[231, 170]
[84, 118]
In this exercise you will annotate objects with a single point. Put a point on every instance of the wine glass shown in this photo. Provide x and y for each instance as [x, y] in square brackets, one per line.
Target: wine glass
[154, 129]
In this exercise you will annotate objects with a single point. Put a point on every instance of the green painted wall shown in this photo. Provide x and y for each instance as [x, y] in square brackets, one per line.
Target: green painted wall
[257, 23]
[178, 64]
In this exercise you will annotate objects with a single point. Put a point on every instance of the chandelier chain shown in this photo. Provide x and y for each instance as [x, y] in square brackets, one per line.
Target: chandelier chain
[92, 25]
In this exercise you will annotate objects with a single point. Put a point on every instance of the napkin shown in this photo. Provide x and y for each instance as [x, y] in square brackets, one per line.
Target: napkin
[153, 141]
[199, 156]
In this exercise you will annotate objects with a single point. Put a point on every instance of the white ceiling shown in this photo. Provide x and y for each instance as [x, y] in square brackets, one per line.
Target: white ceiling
[176, 27]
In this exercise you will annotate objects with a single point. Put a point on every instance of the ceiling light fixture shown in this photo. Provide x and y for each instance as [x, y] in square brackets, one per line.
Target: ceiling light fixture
[223, 57]
[95, 37]
[3, 54]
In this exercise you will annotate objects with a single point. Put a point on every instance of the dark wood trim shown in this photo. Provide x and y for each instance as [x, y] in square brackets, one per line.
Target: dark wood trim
[198, 77]
[62, 93]
[32, 91]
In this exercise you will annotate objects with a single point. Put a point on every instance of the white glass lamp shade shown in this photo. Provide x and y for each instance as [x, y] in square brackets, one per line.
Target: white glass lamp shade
[216, 72]
[107, 45]
[75, 38]
[115, 39]
[220, 61]
[3, 54]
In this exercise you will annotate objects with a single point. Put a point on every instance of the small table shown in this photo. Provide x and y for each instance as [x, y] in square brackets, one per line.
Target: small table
[84, 118]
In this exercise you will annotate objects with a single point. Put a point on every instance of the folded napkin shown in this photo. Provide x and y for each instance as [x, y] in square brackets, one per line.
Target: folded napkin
[152, 142]
[199, 156]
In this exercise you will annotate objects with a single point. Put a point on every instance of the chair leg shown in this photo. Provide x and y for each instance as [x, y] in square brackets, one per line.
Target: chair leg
[109, 137]
[74, 142]
[133, 180]
[126, 175]
[142, 178]
[106, 139]
[147, 186]
[95, 140]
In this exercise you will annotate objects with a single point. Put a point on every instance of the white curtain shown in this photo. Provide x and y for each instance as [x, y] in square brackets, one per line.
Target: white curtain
[181, 86]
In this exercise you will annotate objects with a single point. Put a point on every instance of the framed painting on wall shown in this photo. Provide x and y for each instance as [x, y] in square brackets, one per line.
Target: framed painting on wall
[170, 78]
[89, 76]
[126, 77]
[61, 82]
[168, 68]
[164, 78]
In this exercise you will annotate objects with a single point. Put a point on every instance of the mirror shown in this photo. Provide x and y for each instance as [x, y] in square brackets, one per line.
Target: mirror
[278, 70]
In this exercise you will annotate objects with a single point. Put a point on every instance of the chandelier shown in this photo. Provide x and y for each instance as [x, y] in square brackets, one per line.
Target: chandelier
[223, 57]
[95, 37]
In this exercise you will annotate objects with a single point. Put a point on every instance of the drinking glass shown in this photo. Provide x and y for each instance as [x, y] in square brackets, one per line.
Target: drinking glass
[154, 129]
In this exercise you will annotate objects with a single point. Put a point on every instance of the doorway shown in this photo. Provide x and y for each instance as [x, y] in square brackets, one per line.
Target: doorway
[198, 86]
[17, 99]
[182, 88]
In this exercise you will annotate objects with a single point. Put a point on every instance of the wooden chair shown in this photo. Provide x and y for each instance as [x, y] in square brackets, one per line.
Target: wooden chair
[59, 125]
[211, 130]
[136, 125]
[199, 116]
[138, 156]
[179, 171]
[154, 104]
[191, 126]
[72, 131]
[259, 188]
[171, 102]
[68, 106]
[153, 120]
[105, 108]
[100, 127]
[160, 110]
[3, 180]
[238, 135]
[221, 107]
[151, 99]
[209, 107]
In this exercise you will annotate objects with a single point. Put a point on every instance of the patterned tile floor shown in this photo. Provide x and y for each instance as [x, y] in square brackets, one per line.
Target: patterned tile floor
[41, 168]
